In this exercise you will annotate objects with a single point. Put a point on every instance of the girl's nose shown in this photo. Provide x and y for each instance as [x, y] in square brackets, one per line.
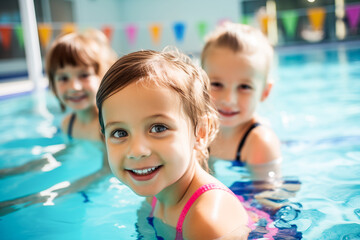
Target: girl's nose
[76, 84]
[138, 148]
[230, 97]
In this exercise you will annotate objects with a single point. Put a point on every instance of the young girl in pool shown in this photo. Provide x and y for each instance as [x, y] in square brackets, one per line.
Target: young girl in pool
[157, 120]
[237, 59]
[75, 65]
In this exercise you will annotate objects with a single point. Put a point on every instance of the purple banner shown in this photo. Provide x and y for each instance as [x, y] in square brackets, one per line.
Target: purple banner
[353, 13]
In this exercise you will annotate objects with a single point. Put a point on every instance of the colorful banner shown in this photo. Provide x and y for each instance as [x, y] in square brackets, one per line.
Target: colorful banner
[316, 18]
[179, 31]
[108, 31]
[353, 13]
[202, 28]
[264, 21]
[45, 34]
[6, 34]
[68, 28]
[155, 31]
[246, 19]
[290, 19]
[19, 35]
[131, 33]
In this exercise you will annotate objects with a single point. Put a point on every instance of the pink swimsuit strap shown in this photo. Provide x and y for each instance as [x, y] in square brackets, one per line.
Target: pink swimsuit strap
[191, 201]
[153, 204]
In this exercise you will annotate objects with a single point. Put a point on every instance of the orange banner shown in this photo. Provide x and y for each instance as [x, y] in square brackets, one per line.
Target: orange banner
[6, 34]
[155, 31]
[68, 28]
[264, 20]
[45, 34]
[316, 18]
[108, 31]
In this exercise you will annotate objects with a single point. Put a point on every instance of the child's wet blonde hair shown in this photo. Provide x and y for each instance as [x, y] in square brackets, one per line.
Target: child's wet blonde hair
[239, 38]
[88, 49]
[170, 69]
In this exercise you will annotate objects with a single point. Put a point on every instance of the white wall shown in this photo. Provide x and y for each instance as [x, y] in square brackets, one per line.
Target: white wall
[167, 12]
[97, 13]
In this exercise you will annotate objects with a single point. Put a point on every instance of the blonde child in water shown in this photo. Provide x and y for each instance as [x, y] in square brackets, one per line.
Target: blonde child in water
[237, 59]
[157, 120]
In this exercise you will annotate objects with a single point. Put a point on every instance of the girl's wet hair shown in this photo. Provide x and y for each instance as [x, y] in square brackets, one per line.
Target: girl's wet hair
[88, 49]
[170, 69]
[239, 38]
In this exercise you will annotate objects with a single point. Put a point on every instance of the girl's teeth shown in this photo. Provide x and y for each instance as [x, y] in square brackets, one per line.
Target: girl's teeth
[143, 171]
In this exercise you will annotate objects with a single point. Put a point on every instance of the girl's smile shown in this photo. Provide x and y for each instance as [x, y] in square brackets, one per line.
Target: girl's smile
[77, 97]
[144, 174]
[228, 113]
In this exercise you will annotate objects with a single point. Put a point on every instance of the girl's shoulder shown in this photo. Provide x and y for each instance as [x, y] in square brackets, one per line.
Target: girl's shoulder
[262, 146]
[263, 134]
[214, 214]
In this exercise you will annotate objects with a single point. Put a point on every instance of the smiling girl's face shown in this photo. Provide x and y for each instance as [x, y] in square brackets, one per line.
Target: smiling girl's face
[76, 86]
[150, 140]
[237, 84]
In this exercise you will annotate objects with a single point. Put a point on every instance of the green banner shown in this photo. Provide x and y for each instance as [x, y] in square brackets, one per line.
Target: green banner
[19, 35]
[202, 29]
[246, 19]
[290, 20]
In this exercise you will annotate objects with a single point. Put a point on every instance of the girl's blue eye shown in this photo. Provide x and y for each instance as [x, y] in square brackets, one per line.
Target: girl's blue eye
[119, 134]
[245, 86]
[158, 128]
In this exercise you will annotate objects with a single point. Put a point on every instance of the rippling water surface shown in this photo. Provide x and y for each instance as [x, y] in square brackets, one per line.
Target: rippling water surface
[314, 108]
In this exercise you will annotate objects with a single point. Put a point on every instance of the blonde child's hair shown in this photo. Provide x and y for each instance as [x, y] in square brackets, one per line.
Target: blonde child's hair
[240, 38]
[90, 49]
[170, 69]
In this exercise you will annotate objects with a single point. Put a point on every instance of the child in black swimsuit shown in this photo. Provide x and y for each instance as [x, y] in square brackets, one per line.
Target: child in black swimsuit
[237, 59]
[75, 65]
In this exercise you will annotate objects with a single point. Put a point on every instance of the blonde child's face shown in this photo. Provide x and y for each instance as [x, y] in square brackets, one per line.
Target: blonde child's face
[149, 139]
[237, 84]
[76, 86]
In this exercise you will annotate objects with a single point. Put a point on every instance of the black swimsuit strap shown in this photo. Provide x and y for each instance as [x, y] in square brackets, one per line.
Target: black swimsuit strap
[71, 124]
[242, 142]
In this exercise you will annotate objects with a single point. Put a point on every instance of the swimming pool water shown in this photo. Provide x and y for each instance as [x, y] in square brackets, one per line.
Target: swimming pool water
[314, 108]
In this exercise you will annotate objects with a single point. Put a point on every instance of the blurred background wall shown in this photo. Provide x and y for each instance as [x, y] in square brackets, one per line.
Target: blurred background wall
[152, 24]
